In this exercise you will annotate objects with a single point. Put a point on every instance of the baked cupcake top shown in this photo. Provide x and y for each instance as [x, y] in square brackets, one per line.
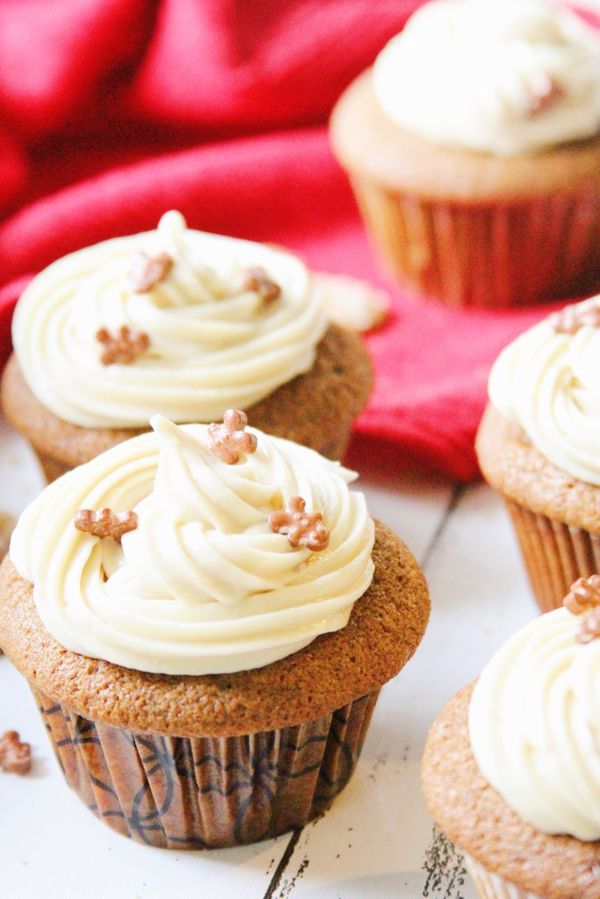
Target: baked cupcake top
[547, 381]
[174, 321]
[506, 78]
[534, 718]
[196, 550]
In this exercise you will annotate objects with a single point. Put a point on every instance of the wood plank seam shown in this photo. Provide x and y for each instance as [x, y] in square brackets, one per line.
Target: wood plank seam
[458, 493]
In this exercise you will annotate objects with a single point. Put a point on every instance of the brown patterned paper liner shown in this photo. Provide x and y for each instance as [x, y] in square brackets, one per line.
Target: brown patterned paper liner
[204, 792]
[485, 255]
[555, 554]
[492, 886]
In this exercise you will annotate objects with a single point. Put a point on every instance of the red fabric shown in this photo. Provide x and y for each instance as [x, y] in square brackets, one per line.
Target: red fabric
[112, 111]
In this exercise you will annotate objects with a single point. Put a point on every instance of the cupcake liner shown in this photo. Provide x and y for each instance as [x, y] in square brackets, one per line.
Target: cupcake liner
[192, 793]
[492, 886]
[487, 255]
[555, 554]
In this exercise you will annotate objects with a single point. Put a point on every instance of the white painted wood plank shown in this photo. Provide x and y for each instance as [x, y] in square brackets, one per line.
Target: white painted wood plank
[53, 847]
[46, 819]
[412, 505]
[372, 842]
[20, 475]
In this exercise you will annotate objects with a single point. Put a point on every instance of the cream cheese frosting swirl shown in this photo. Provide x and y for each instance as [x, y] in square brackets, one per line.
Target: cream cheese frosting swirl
[202, 585]
[549, 383]
[211, 348]
[534, 724]
[507, 77]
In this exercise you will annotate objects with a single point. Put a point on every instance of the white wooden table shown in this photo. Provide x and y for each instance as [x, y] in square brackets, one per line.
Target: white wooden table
[376, 842]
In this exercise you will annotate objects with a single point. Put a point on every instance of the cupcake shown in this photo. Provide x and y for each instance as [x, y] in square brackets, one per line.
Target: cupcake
[205, 615]
[511, 769]
[539, 446]
[181, 323]
[473, 147]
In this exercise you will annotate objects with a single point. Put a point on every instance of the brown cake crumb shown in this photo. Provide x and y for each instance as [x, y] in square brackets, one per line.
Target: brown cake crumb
[15, 756]
[350, 302]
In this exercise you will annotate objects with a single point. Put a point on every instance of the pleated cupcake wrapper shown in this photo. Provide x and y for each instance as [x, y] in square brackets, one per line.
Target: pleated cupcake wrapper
[486, 255]
[192, 793]
[492, 886]
[555, 554]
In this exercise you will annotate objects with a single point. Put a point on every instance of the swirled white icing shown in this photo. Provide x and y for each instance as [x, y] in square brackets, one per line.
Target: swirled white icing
[506, 77]
[534, 724]
[549, 383]
[210, 349]
[202, 585]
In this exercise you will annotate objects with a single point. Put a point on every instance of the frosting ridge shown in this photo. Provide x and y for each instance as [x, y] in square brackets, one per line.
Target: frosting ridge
[202, 584]
[507, 78]
[548, 381]
[213, 343]
[534, 725]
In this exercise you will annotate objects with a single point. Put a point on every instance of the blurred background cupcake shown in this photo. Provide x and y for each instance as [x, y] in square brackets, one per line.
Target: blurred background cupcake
[183, 323]
[205, 617]
[511, 769]
[539, 446]
[474, 152]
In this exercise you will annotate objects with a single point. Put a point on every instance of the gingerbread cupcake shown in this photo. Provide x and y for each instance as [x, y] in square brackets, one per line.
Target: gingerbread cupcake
[473, 147]
[539, 446]
[205, 616]
[511, 769]
[181, 323]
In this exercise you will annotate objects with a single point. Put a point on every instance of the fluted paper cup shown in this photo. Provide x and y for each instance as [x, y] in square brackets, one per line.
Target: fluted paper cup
[488, 254]
[555, 554]
[193, 793]
[492, 886]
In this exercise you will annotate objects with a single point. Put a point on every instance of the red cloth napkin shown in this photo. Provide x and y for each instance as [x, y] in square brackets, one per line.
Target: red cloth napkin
[112, 111]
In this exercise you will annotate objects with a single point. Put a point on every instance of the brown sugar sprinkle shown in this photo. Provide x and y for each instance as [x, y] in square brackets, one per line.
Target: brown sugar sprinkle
[146, 271]
[15, 756]
[543, 95]
[230, 441]
[105, 523]
[123, 347]
[301, 527]
[570, 319]
[584, 599]
[256, 280]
